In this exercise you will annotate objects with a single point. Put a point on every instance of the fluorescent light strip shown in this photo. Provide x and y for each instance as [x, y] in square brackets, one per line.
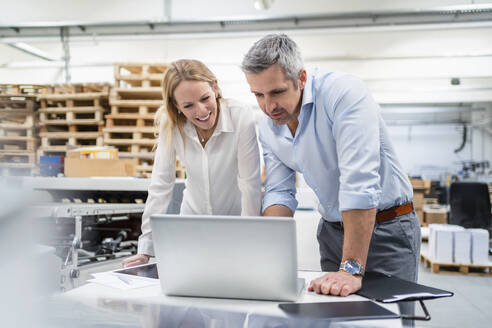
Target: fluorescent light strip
[32, 51]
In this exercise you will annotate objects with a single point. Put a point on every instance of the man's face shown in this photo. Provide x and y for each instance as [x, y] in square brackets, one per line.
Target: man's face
[277, 96]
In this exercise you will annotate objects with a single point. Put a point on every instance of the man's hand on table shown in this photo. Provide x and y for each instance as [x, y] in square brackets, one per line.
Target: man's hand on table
[336, 283]
[135, 260]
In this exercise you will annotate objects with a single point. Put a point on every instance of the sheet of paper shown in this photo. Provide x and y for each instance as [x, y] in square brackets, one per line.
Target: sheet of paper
[121, 282]
[417, 295]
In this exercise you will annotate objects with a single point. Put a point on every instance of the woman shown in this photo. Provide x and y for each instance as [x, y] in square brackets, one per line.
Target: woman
[216, 141]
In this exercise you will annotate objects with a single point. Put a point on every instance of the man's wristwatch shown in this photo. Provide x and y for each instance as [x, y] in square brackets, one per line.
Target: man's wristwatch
[353, 267]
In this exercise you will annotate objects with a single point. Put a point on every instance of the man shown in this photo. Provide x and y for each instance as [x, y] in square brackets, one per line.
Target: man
[326, 126]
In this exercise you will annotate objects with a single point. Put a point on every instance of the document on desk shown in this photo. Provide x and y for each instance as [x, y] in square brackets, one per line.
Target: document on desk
[121, 282]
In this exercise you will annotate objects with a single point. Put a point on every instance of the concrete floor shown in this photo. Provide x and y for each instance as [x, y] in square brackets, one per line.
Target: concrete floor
[471, 305]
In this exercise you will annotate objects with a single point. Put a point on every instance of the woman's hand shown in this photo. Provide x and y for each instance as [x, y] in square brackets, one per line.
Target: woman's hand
[135, 260]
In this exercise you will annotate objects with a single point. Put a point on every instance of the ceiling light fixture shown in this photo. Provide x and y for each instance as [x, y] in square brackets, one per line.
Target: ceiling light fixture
[24, 47]
[263, 4]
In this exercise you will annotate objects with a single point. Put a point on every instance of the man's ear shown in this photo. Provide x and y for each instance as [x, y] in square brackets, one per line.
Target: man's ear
[302, 78]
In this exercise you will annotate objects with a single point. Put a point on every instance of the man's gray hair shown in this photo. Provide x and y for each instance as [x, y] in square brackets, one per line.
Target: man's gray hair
[274, 49]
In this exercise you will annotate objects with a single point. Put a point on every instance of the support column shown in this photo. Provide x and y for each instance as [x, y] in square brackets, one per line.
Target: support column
[64, 32]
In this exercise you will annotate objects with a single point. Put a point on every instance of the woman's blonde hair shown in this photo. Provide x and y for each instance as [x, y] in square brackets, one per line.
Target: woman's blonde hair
[168, 117]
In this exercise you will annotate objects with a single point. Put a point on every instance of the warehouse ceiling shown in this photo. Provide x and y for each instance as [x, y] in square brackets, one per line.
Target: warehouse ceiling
[119, 18]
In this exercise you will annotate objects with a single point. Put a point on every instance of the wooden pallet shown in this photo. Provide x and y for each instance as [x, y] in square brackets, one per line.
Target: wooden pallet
[16, 130]
[72, 128]
[143, 153]
[23, 117]
[135, 108]
[57, 141]
[14, 157]
[139, 74]
[75, 115]
[122, 142]
[22, 89]
[17, 143]
[73, 88]
[140, 93]
[144, 169]
[17, 118]
[456, 268]
[17, 104]
[135, 103]
[71, 101]
[54, 151]
[129, 136]
[130, 132]
[129, 120]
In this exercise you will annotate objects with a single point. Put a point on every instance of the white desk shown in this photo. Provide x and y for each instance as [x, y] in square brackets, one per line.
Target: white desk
[157, 310]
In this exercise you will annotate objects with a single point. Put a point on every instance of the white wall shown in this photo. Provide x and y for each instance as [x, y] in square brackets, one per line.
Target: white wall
[425, 150]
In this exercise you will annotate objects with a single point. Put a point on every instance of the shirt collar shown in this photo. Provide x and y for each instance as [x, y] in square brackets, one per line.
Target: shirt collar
[223, 125]
[307, 94]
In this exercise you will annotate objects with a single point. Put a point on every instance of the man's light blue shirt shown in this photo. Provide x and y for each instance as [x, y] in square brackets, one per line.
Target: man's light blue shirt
[341, 146]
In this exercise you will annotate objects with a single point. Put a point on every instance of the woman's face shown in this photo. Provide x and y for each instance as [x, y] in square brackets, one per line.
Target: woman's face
[197, 101]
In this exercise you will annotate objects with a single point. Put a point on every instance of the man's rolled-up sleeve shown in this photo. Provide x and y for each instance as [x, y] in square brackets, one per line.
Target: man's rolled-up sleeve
[280, 182]
[356, 131]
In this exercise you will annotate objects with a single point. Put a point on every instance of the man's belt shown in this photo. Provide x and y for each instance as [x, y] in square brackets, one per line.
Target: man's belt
[394, 212]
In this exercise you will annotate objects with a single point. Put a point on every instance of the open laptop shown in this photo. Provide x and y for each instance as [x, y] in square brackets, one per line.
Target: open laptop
[227, 256]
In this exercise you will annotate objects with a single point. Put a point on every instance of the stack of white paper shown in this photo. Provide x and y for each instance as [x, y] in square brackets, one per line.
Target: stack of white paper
[479, 246]
[441, 242]
[462, 247]
[121, 281]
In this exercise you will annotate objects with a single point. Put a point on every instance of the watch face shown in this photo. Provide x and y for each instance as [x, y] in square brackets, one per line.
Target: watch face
[352, 267]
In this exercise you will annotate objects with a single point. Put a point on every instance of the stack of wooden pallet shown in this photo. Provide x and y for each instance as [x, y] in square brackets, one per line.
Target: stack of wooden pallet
[17, 129]
[72, 115]
[22, 89]
[134, 100]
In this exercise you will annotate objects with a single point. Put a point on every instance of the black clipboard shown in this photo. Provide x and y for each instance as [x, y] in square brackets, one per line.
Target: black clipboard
[388, 289]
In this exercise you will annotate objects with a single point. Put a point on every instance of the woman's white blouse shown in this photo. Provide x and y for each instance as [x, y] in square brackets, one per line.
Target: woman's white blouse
[222, 179]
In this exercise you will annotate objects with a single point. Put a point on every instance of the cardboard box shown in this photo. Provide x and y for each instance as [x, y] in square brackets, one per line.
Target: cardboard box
[434, 213]
[418, 199]
[435, 217]
[430, 201]
[419, 184]
[75, 166]
[97, 152]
